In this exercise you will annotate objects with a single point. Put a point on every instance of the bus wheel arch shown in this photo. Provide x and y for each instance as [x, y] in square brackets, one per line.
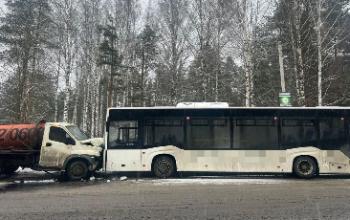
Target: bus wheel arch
[164, 166]
[305, 166]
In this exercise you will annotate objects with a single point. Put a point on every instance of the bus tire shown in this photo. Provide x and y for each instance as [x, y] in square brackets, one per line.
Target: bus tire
[163, 166]
[305, 167]
[77, 170]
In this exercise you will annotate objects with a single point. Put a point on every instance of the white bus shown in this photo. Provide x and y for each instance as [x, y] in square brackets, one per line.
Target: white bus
[192, 138]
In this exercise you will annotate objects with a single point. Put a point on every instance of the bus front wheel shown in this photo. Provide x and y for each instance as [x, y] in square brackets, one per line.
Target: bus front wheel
[305, 167]
[163, 167]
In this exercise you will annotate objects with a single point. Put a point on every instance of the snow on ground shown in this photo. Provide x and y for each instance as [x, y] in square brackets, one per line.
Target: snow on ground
[35, 181]
[28, 170]
[200, 181]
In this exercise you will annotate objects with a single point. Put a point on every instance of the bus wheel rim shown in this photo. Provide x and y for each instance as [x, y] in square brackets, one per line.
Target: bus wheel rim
[305, 167]
[163, 167]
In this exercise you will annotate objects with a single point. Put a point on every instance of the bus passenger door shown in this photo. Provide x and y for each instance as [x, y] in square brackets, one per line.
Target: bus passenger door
[123, 152]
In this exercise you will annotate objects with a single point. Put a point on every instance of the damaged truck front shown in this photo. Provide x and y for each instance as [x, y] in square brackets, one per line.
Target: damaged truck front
[49, 147]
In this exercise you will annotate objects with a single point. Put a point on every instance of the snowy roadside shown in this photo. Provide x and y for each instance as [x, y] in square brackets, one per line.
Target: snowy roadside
[211, 181]
[29, 171]
[45, 181]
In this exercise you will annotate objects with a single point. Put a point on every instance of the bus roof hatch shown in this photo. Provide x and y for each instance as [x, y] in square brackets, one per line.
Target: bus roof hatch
[203, 105]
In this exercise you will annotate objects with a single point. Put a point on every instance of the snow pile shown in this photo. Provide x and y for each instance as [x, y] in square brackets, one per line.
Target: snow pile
[123, 178]
[217, 181]
[35, 181]
[28, 170]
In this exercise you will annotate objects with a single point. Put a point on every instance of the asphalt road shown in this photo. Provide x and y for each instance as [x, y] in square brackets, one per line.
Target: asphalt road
[236, 197]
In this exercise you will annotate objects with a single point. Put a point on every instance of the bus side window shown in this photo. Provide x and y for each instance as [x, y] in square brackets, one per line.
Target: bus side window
[332, 133]
[255, 133]
[208, 133]
[298, 133]
[123, 134]
[163, 132]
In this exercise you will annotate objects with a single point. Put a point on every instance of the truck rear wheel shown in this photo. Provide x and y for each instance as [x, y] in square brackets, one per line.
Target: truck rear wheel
[9, 169]
[77, 170]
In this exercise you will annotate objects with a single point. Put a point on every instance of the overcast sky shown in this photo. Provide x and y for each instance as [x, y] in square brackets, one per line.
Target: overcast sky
[2, 2]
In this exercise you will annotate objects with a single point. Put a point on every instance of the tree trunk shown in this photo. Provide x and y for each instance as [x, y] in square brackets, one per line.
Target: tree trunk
[301, 75]
[280, 58]
[24, 79]
[294, 52]
[57, 86]
[143, 79]
[319, 53]
[66, 94]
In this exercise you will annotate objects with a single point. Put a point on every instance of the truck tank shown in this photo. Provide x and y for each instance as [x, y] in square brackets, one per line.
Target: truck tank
[21, 137]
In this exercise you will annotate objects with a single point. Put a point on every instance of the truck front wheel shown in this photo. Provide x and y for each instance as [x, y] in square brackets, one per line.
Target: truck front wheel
[77, 170]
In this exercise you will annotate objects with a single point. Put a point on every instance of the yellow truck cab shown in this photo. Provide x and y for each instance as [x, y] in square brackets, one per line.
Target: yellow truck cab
[65, 147]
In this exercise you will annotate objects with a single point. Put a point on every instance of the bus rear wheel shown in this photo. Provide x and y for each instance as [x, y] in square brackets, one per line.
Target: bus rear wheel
[305, 167]
[164, 167]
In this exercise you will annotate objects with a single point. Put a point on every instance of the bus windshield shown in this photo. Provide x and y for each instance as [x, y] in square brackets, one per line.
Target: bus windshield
[77, 133]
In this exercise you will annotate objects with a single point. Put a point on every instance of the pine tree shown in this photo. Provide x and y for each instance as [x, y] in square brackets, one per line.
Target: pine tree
[25, 30]
[146, 50]
[201, 76]
[109, 57]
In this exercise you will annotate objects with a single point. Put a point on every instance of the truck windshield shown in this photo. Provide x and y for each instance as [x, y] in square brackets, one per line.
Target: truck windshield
[77, 133]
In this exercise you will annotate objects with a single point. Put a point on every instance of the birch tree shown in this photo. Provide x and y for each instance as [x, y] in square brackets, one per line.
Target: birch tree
[89, 73]
[328, 20]
[246, 17]
[66, 22]
[173, 54]
[319, 52]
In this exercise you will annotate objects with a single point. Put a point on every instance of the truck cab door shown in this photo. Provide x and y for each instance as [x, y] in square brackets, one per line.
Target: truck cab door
[57, 145]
